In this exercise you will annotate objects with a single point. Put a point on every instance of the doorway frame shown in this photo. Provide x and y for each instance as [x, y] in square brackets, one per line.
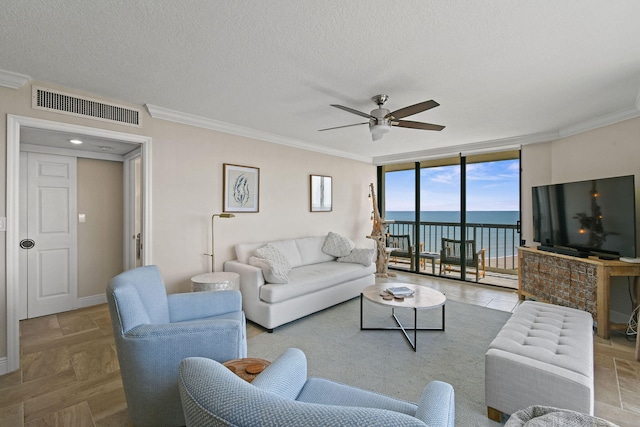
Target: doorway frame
[128, 165]
[14, 124]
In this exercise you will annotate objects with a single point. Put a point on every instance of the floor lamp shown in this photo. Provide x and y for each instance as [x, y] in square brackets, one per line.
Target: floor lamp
[212, 254]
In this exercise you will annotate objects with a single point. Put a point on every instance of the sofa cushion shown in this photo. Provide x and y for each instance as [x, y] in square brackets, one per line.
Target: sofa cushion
[310, 249]
[244, 251]
[311, 278]
[337, 245]
[359, 256]
[275, 265]
[272, 272]
[289, 250]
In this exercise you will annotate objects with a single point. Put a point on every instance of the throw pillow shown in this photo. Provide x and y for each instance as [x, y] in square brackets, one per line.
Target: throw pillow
[337, 245]
[277, 267]
[359, 256]
[272, 274]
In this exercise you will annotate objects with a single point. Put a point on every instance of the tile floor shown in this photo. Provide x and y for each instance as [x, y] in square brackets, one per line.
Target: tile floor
[70, 375]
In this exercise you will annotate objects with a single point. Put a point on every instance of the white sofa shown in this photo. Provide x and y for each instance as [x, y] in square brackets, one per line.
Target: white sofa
[316, 281]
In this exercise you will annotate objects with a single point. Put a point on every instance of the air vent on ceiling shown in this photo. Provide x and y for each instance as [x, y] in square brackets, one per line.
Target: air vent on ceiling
[66, 103]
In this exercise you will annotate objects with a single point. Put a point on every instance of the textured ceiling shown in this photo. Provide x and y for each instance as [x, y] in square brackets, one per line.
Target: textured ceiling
[503, 72]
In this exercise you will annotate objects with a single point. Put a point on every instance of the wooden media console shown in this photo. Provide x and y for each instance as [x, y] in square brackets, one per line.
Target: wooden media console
[582, 283]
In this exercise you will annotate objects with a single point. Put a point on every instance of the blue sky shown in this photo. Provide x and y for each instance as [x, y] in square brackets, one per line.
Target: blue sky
[492, 186]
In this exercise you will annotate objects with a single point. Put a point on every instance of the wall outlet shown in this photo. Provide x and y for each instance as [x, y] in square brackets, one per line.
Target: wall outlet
[3, 223]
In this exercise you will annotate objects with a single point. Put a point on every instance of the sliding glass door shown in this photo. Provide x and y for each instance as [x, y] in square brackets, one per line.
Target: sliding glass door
[455, 217]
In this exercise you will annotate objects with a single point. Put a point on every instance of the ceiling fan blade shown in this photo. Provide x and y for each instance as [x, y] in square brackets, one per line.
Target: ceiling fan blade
[416, 125]
[345, 126]
[352, 111]
[413, 109]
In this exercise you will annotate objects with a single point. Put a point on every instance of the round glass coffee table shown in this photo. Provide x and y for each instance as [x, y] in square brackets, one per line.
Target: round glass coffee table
[423, 298]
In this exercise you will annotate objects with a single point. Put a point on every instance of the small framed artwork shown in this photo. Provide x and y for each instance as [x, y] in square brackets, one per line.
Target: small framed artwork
[241, 188]
[320, 194]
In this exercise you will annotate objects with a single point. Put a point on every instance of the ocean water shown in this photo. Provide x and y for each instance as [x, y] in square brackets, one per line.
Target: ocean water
[475, 217]
[499, 242]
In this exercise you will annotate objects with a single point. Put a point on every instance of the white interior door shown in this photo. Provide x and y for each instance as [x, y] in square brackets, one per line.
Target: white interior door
[51, 225]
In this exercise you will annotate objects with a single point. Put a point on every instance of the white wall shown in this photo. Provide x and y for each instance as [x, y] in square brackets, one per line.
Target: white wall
[187, 182]
[609, 151]
[100, 237]
[187, 190]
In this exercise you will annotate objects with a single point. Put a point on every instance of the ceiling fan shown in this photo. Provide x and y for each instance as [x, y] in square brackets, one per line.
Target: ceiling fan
[381, 119]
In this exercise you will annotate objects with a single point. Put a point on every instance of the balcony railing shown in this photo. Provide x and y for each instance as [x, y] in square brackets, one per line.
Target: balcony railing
[499, 240]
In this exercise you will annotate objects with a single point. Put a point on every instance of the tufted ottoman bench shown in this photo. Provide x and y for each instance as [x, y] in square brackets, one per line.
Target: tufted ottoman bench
[542, 356]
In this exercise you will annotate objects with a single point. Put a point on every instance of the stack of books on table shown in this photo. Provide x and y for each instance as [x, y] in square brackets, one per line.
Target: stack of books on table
[400, 291]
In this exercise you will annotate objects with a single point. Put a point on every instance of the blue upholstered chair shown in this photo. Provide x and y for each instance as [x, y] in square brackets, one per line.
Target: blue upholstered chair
[155, 331]
[283, 396]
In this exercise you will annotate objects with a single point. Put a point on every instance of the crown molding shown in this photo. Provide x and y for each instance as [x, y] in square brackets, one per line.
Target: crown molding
[478, 147]
[488, 146]
[598, 122]
[515, 142]
[203, 122]
[13, 80]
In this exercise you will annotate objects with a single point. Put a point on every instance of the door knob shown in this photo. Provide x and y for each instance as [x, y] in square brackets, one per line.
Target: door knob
[27, 244]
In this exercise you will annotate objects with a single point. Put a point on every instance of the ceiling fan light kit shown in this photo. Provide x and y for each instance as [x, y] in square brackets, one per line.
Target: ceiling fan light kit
[381, 119]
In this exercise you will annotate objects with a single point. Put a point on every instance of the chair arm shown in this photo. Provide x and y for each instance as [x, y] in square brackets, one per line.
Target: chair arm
[198, 305]
[158, 348]
[285, 376]
[328, 392]
[182, 329]
[436, 407]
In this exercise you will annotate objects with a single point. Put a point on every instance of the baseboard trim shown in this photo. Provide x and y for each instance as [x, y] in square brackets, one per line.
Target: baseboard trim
[3, 366]
[91, 301]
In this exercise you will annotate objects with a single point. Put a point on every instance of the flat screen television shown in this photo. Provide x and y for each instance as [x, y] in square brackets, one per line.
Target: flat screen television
[594, 217]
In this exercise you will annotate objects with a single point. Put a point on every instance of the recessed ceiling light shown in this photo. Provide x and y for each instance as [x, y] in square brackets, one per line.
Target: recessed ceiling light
[75, 141]
[105, 148]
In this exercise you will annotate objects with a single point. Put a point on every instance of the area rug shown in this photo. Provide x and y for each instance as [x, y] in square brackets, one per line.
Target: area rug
[383, 361]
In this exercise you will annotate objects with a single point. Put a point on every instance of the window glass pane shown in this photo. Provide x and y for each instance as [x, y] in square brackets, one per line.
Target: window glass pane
[493, 194]
[400, 202]
[440, 194]
[400, 196]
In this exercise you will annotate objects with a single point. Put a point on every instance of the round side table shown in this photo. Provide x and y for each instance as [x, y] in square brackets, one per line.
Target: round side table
[222, 281]
[247, 368]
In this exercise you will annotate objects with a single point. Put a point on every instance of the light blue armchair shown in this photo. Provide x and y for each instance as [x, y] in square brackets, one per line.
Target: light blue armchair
[283, 396]
[155, 331]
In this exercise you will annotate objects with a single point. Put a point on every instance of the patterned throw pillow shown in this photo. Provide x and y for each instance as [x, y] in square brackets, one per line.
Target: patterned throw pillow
[359, 256]
[336, 245]
[273, 263]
